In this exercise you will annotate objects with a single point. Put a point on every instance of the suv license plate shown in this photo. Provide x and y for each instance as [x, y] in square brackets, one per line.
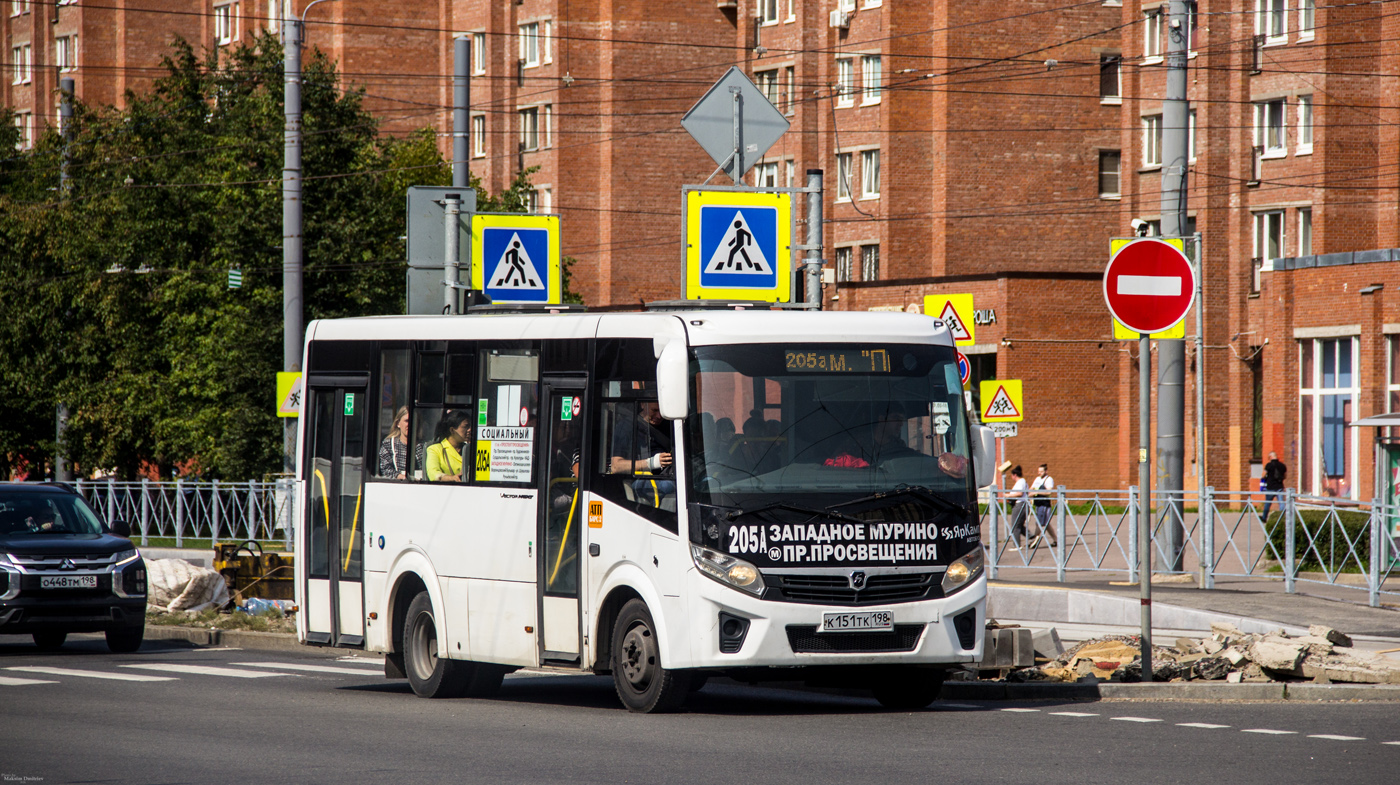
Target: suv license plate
[868, 621]
[68, 582]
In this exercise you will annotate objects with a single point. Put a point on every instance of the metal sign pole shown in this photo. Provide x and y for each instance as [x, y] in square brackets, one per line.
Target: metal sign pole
[1145, 498]
[737, 96]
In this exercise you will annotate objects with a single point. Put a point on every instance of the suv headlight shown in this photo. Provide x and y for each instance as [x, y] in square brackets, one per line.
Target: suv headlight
[127, 556]
[963, 570]
[727, 570]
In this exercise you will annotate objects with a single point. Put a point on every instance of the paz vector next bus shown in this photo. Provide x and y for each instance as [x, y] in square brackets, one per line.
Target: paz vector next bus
[658, 496]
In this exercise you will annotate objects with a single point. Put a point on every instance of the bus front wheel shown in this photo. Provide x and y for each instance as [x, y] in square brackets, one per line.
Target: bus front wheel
[908, 689]
[642, 684]
[430, 676]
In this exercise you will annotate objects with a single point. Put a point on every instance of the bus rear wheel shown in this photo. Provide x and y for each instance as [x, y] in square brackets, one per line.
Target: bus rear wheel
[430, 676]
[642, 684]
[908, 689]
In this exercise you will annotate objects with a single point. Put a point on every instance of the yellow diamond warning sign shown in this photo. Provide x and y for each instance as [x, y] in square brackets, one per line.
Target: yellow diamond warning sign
[1001, 401]
[954, 310]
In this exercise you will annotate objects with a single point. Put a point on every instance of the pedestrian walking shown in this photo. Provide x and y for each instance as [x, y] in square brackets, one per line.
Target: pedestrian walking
[1274, 473]
[1042, 488]
[1020, 500]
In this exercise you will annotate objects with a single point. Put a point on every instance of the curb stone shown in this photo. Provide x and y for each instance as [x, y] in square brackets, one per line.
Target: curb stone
[242, 639]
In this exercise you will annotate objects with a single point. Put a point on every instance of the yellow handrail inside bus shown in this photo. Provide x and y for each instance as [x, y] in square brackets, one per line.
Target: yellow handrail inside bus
[325, 497]
[568, 523]
[354, 524]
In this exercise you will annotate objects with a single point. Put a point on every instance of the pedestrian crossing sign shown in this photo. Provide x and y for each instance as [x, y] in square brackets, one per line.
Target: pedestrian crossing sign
[738, 245]
[1001, 401]
[955, 311]
[515, 257]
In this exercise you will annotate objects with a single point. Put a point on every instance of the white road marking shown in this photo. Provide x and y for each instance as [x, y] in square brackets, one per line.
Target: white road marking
[292, 666]
[1073, 714]
[959, 706]
[12, 681]
[1205, 725]
[1021, 710]
[1135, 719]
[203, 670]
[1392, 743]
[1150, 285]
[92, 674]
[1335, 737]
[1270, 731]
[361, 661]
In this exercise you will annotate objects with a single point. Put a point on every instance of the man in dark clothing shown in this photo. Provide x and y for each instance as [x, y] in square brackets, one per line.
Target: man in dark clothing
[1274, 472]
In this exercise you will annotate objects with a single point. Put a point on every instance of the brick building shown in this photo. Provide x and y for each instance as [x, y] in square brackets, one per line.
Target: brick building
[969, 146]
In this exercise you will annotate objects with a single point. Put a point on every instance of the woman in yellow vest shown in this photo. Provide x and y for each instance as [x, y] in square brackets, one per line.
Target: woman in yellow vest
[444, 458]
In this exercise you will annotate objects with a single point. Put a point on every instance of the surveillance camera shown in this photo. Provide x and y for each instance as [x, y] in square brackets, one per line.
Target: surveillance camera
[1137, 223]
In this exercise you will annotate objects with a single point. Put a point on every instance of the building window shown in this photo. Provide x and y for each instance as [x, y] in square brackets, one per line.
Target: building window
[791, 173]
[1191, 135]
[1268, 235]
[870, 262]
[1328, 390]
[1152, 33]
[547, 41]
[479, 136]
[1305, 123]
[1152, 140]
[790, 79]
[530, 44]
[478, 53]
[870, 174]
[1307, 12]
[1393, 387]
[18, 7]
[1305, 231]
[768, 11]
[225, 24]
[870, 79]
[1192, 9]
[1268, 127]
[843, 264]
[274, 14]
[765, 175]
[538, 200]
[530, 128]
[24, 121]
[22, 61]
[1271, 19]
[1110, 83]
[767, 82]
[845, 82]
[1110, 173]
[65, 52]
[843, 176]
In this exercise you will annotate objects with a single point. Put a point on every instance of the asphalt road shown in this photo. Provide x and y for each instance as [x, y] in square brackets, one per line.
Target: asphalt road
[162, 716]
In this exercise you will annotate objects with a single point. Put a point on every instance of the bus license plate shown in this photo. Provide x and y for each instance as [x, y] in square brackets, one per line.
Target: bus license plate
[867, 621]
[68, 582]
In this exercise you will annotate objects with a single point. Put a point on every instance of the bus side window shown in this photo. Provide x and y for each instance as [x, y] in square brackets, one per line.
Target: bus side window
[391, 461]
[507, 413]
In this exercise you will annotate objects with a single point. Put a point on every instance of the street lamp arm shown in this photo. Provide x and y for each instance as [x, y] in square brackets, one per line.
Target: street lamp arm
[308, 8]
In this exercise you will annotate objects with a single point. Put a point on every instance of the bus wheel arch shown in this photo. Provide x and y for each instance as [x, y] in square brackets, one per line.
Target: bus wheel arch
[642, 682]
[607, 617]
[408, 586]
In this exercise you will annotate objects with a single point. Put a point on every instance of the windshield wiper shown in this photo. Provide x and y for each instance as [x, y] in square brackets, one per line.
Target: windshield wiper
[925, 493]
[827, 513]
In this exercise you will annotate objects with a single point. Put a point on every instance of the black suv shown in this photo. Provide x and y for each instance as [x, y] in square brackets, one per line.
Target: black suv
[62, 570]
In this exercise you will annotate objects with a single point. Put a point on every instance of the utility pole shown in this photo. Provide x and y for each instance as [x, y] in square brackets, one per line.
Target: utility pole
[814, 239]
[1171, 354]
[61, 470]
[452, 204]
[291, 224]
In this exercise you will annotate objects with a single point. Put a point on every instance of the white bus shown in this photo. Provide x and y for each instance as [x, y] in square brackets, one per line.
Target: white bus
[658, 496]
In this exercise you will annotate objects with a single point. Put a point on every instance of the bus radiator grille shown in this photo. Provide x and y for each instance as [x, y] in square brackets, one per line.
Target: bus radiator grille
[836, 590]
[805, 639]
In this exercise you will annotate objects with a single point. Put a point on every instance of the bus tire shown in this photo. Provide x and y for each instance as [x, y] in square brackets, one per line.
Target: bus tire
[908, 689]
[642, 684]
[430, 676]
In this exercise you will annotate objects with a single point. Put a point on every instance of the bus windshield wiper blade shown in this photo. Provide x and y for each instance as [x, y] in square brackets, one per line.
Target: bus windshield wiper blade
[927, 494]
[827, 513]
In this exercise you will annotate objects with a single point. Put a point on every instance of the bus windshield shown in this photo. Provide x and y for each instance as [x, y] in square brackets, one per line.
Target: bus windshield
[822, 429]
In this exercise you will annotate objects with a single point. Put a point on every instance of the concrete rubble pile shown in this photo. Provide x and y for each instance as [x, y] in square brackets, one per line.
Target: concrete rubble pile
[1324, 655]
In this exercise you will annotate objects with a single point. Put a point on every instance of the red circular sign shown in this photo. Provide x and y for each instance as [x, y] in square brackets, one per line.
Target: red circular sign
[1149, 285]
[964, 367]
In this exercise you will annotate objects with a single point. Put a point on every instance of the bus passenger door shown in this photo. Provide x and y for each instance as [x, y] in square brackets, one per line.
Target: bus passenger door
[561, 515]
[333, 534]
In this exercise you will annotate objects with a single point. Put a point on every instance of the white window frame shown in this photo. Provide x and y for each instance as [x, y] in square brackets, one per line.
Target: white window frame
[845, 81]
[24, 64]
[546, 41]
[791, 175]
[843, 176]
[792, 12]
[790, 80]
[1305, 231]
[530, 127]
[870, 174]
[1116, 60]
[845, 263]
[65, 52]
[1151, 141]
[225, 24]
[869, 272]
[529, 36]
[17, 64]
[1307, 19]
[1305, 124]
[768, 12]
[1312, 388]
[870, 76]
[846, 6]
[1191, 136]
[1152, 36]
[1264, 115]
[872, 3]
[1271, 20]
[1265, 223]
[19, 7]
[478, 54]
[24, 121]
[765, 174]
[767, 83]
[274, 14]
[478, 136]
[1118, 174]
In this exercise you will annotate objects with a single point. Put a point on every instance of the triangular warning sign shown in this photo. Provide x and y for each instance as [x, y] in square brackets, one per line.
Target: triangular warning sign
[515, 269]
[1001, 405]
[955, 324]
[738, 252]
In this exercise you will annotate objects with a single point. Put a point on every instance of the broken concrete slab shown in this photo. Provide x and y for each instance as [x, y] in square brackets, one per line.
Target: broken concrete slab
[1332, 636]
[1277, 654]
[1047, 644]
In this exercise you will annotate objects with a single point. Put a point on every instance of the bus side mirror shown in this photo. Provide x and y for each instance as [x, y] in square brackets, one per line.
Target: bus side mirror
[672, 382]
[984, 451]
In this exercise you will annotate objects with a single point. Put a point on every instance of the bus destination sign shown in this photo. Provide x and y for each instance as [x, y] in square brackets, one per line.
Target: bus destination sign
[837, 360]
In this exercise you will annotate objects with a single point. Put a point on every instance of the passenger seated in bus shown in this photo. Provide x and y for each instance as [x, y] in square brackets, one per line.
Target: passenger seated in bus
[891, 433]
[642, 446]
[445, 456]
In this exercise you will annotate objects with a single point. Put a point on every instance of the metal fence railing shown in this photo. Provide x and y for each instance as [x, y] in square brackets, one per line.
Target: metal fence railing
[183, 510]
[1288, 537]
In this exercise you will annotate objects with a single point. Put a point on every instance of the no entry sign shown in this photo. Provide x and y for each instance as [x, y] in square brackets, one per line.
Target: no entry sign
[1149, 285]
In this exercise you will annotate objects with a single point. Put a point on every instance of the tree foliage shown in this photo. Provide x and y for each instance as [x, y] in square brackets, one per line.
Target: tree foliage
[113, 291]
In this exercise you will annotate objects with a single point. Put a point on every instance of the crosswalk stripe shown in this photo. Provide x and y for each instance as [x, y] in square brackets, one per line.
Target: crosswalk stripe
[203, 670]
[14, 681]
[292, 666]
[92, 674]
[1205, 725]
[1021, 710]
[1270, 731]
[1073, 714]
[1335, 737]
[1136, 719]
[365, 661]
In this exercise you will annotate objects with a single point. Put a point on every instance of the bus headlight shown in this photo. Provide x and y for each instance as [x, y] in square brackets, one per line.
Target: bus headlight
[727, 570]
[963, 570]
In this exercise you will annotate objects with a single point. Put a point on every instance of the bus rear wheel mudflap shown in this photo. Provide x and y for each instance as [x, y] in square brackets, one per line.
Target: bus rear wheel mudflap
[642, 684]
